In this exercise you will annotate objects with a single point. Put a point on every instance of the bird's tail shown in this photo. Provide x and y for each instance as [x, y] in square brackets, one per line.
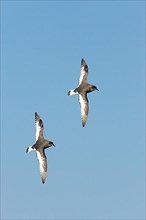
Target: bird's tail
[72, 92]
[29, 149]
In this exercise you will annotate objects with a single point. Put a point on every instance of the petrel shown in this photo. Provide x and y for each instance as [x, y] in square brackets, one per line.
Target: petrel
[40, 145]
[82, 90]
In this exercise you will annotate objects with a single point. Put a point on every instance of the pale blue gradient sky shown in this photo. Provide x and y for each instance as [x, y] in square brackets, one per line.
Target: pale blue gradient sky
[96, 172]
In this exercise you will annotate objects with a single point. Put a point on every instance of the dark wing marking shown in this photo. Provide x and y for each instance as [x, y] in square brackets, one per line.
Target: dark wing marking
[84, 72]
[39, 127]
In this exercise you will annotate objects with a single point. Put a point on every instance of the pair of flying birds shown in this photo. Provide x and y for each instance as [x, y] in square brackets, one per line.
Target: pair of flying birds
[41, 143]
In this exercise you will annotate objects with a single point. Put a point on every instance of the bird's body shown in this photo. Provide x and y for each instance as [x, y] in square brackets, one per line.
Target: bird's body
[82, 90]
[40, 145]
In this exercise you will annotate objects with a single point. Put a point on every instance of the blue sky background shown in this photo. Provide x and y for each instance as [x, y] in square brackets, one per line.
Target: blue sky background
[96, 172]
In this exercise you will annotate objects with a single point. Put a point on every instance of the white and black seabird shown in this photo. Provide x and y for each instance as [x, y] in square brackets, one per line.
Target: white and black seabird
[82, 90]
[40, 146]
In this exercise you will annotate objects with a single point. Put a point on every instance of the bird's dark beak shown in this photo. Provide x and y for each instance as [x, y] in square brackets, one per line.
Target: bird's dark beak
[54, 145]
[97, 89]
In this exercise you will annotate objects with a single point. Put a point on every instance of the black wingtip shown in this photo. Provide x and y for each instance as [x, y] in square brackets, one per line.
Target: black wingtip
[68, 93]
[83, 62]
[43, 181]
[36, 115]
[83, 124]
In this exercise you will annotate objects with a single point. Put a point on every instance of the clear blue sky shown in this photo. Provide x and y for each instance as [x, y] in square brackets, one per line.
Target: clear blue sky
[96, 172]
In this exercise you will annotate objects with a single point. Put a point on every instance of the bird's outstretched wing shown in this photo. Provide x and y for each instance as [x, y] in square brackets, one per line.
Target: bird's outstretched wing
[42, 164]
[84, 72]
[39, 127]
[84, 108]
